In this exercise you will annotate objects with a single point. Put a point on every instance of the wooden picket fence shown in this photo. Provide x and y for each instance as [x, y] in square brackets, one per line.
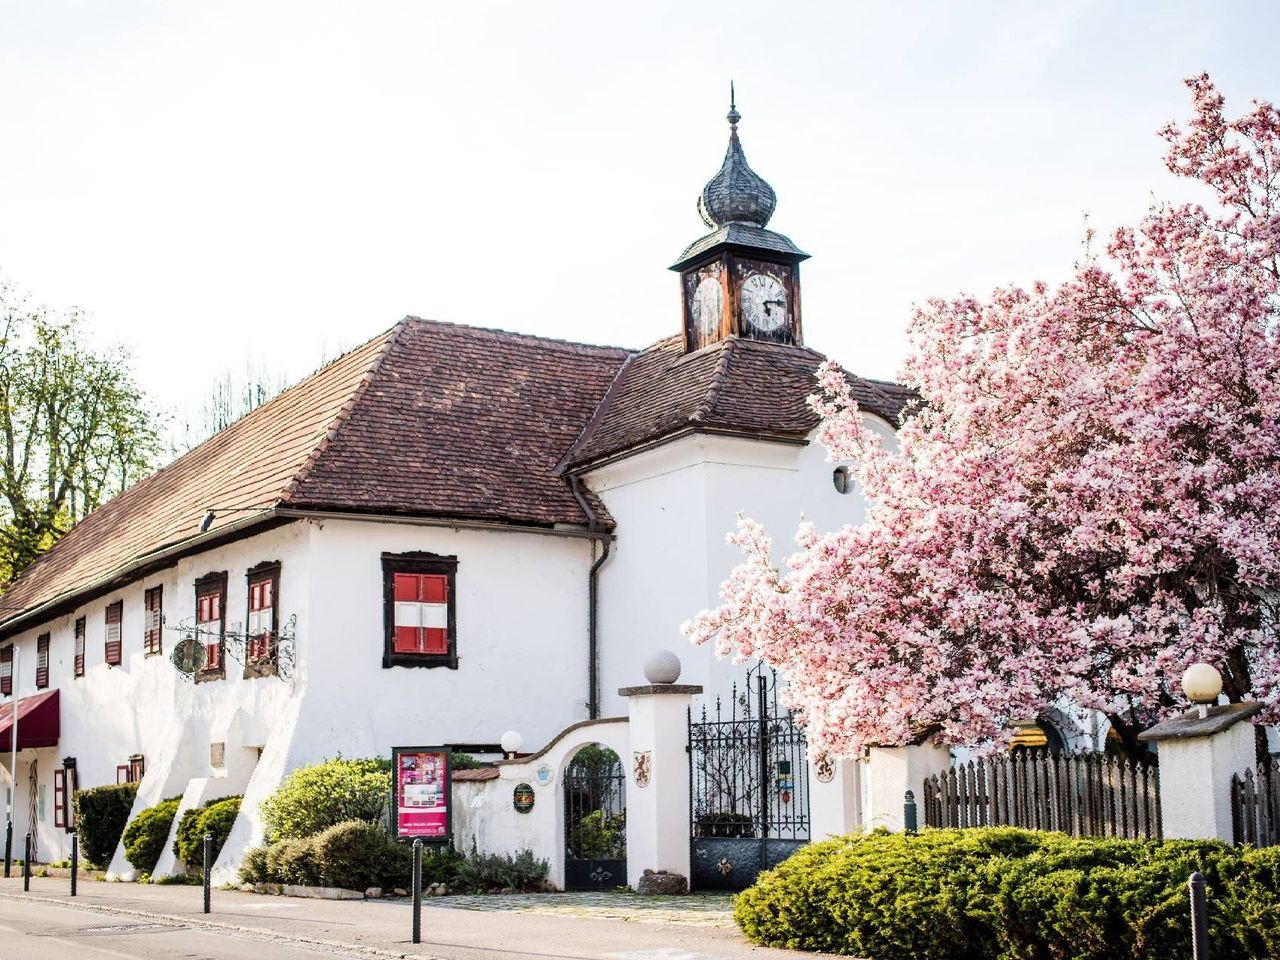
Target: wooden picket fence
[1255, 806]
[1085, 795]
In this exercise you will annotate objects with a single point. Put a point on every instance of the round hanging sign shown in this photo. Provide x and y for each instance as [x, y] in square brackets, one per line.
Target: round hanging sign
[188, 655]
[522, 798]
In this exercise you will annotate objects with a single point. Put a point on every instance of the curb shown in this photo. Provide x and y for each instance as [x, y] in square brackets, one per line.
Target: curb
[175, 920]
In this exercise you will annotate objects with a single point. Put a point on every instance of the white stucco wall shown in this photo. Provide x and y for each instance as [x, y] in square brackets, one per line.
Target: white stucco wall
[674, 505]
[522, 652]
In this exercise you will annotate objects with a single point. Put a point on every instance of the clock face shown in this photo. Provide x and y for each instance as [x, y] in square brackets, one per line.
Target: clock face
[707, 307]
[764, 302]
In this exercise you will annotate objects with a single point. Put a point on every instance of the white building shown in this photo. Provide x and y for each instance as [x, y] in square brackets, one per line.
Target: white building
[444, 534]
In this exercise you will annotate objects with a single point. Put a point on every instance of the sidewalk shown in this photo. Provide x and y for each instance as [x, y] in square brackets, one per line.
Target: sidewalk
[588, 926]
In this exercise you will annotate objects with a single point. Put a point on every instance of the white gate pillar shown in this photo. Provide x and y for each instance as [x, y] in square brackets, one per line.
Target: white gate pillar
[1198, 757]
[835, 797]
[891, 772]
[658, 771]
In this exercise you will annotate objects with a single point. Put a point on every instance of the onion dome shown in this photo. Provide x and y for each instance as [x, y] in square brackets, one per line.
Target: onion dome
[737, 194]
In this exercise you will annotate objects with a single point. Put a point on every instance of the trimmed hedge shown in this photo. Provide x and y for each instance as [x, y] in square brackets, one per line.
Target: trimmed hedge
[101, 815]
[1014, 895]
[352, 855]
[146, 833]
[312, 799]
[216, 817]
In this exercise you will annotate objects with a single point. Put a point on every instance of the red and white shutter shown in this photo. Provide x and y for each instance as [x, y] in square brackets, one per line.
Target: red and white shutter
[422, 613]
[6, 670]
[42, 661]
[79, 659]
[261, 609]
[209, 622]
[114, 652]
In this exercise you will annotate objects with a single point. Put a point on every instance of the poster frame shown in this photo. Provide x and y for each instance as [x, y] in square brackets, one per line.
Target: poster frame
[396, 753]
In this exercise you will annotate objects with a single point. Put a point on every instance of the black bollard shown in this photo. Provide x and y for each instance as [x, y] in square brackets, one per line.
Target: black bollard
[208, 867]
[417, 890]
[26, 865]
[910, 820]
[8, 848]
[1199, 918]
[75, 860]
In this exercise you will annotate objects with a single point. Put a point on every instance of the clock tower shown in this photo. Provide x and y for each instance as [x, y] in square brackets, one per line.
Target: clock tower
[740, 279]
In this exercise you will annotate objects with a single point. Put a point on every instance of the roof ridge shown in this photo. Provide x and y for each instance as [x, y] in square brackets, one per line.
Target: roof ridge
[597, 414]
[553, 342]
[344, 412]
[708, 405]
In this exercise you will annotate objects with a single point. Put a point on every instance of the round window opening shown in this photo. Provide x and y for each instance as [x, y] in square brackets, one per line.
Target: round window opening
[841, 479]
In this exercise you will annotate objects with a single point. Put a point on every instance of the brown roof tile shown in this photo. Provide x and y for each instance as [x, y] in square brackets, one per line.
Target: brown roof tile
[442, 420]
[737, 385]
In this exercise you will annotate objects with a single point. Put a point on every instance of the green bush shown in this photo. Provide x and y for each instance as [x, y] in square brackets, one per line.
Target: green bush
[352, 855]
[216, 818]
[312, 799]
[146, 833]
[1013, 895]
[101, 815]
[488, 872]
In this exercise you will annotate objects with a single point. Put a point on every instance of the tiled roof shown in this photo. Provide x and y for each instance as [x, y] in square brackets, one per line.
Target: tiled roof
[465, 422]
[742, 235]
[249, 465]
[738, 385]
[435, 419]
[427, 418]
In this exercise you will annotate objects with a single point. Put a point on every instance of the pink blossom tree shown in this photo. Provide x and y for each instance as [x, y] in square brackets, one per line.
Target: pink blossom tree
[1085, 501]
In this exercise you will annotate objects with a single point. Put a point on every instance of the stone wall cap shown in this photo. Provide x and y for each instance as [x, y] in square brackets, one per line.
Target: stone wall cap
[1191, 724]
[659, 688]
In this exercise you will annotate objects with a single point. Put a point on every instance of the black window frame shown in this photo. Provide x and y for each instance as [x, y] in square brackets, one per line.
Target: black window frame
[213, 583]
[421, 563]
[267, 570]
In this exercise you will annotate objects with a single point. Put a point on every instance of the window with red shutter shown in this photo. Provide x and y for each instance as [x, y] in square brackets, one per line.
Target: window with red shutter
[59, 797]
[152, 604]
[263, 621]
[114, 646]
[42, 661]
[6, 671]
[211, 595]
[79, 657]
[420, 610]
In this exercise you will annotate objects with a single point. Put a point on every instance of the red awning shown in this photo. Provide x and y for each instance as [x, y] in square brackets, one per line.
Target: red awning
[38, 722]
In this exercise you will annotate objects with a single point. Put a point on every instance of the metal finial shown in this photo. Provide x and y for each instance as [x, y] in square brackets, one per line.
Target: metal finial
[733, 116]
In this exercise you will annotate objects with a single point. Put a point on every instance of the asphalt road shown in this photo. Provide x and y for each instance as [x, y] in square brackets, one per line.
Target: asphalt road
[42, 931]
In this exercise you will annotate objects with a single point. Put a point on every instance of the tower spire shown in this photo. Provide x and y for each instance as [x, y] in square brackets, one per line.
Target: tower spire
[737, 193]
[733, 115]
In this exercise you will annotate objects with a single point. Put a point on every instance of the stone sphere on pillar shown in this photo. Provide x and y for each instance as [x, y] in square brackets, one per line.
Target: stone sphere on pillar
[1202, 683]
[663, 667]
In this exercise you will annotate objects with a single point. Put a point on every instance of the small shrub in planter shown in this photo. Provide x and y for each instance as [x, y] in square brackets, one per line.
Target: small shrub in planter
[146, 834]
[216, 818]
[101, 815]
[312, 799]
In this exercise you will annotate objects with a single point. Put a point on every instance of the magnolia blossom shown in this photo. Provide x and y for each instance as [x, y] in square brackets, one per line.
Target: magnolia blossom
[1086, 498]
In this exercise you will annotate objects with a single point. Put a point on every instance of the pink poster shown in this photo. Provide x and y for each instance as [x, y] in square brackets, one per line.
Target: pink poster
[422, 808]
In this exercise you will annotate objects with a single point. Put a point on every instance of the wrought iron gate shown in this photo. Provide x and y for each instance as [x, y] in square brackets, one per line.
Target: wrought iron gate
[595, 821]
[750, 786]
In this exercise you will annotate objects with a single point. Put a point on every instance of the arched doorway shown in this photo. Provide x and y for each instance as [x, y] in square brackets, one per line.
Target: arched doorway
[595, 820]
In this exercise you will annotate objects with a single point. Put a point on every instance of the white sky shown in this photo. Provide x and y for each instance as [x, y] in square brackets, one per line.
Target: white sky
[214, 181]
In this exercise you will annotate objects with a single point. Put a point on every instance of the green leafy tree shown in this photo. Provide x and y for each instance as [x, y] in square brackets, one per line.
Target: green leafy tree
[75, 428]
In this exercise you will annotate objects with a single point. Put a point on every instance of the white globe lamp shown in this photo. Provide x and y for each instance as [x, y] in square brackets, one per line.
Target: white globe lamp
[1202, 684]
[511, 742]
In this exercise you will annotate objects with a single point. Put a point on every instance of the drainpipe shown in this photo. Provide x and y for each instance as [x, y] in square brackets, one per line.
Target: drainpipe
[593, 642]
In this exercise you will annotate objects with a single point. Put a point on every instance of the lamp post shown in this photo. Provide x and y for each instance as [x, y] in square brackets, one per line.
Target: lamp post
[1202, 684]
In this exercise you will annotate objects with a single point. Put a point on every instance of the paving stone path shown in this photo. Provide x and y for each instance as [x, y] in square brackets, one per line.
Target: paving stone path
[695, 910]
